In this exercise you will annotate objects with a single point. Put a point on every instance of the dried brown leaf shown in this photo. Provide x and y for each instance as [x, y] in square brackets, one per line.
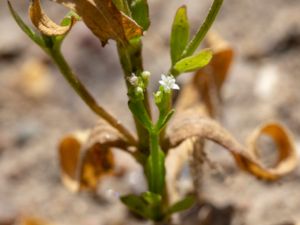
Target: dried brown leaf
[287, 157]
[86, 158]
[223, 58]
[43, 23]
[189, 124]
[192, 125]
[69, 156]
[211, 78]
[104, 19]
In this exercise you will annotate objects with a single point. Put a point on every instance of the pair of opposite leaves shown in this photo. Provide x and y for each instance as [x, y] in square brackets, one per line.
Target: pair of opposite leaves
[86, 158]
[101, 16]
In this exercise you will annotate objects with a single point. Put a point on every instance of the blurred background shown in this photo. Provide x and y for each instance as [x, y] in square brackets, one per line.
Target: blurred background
[37, 107]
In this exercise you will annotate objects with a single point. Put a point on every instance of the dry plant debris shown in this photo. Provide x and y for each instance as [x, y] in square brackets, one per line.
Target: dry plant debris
[104, 19]
[85, 157]
[193, 124]
[44, 23]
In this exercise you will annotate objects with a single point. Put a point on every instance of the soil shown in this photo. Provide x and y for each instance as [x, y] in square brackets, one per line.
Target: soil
[38, 109]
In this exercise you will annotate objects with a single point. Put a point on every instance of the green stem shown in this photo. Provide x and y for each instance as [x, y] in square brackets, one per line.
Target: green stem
[156, 184]
[86, 96]
[131, 61]
[193, 45]
[167, 108]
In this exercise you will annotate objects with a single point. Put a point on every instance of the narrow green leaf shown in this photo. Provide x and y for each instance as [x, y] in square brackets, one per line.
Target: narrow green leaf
[151, 198]
[147, 205]
[140, 13]
[197, 39]
[195, 62]
[27, 30]
[139, 111]
[137, 204]
[154, 202]
[163, 120]
[184, 204]
[180, 34]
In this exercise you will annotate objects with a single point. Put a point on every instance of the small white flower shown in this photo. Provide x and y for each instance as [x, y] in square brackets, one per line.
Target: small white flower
[133, 80]
[139, 90]
[168, 82]
[146, 74]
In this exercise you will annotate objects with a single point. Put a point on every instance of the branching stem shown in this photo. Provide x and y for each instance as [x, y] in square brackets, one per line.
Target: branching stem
[131, 61]
[87, 97]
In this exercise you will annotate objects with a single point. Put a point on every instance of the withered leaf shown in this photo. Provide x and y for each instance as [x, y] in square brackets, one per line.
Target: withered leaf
[209, 80]
[222, 60]
[192, 120]
[69, 156]
[104, 19]
[44, 24]
[192, 125]
[287, 157]
[86, 157]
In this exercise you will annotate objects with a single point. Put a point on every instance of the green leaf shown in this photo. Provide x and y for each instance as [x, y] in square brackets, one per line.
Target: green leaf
[192, 63]
[138, 205]
[147, 205]
[152, 198]
[27, 30]
[197, 39]
[184, 204]
[139, 111]
[163, 103]
[140, 13]
[180, 34]
[163, 120]
[154, 202]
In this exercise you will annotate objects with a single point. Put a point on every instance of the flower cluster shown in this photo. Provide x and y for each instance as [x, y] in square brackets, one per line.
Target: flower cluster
[168, 83]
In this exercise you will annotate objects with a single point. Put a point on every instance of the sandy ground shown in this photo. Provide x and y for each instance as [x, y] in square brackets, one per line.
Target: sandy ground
[264, 85]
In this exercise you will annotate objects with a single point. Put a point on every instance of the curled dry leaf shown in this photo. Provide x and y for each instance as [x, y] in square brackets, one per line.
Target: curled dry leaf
[69, 156]
[211, 78]
[192, 125]
[104, 19]
[85, 157]
[188, 125]
[222, 60]
[44, 24]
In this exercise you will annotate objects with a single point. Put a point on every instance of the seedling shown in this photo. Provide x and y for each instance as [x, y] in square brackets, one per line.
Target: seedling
[183, 127]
